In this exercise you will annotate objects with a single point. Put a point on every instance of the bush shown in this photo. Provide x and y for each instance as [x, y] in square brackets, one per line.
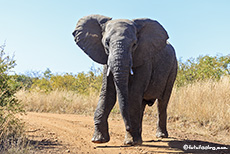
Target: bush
[82, 83]
[10, 126]
[22, 81]
[202, 68]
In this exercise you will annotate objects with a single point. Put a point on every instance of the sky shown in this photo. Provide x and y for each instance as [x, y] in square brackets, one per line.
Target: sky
[39, 33]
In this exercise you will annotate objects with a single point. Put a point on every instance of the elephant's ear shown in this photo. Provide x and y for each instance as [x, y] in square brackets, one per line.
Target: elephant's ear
[88, 35]
[152, 37]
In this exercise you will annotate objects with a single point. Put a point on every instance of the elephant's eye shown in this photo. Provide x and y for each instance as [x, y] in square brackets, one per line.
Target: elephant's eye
[107, 42]
[134, 46]
[107, 46]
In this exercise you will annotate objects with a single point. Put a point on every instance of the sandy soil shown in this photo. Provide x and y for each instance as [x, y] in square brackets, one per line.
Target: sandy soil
[66, 133]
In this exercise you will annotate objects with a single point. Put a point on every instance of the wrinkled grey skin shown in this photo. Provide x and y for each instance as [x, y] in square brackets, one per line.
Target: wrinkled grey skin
[140, 66]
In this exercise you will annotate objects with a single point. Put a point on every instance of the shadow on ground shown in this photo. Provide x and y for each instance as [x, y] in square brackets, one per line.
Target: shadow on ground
[180, 146]
[44, 144]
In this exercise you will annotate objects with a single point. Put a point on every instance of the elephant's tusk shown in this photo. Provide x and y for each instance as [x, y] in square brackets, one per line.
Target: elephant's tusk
[108, 71]
[131, 71]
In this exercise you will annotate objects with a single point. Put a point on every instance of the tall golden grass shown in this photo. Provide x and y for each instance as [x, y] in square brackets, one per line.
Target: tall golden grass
[205, 102]
[58, 101]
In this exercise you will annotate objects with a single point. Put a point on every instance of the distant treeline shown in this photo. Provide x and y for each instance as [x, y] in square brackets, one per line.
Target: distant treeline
[189, 71]
[201, 68]
[82, 83]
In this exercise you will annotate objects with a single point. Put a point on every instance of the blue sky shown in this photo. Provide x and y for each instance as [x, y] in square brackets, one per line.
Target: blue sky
[39, 32]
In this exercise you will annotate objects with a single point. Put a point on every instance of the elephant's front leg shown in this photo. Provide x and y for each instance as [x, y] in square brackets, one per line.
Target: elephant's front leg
[137, 85]
[136, 112]
[134, 137]
[106, 103]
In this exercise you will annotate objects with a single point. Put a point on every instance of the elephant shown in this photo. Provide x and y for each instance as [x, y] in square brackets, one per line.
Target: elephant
[140, 67]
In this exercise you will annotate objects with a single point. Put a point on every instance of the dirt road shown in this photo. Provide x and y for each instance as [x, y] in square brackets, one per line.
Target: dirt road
[66, 133]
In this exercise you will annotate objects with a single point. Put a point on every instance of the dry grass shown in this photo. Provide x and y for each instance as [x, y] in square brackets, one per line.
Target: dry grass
[204, 104]
[12, 137]
[58, 102]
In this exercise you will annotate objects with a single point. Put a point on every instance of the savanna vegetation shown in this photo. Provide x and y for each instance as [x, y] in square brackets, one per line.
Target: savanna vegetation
[11, 128]
[200, 97]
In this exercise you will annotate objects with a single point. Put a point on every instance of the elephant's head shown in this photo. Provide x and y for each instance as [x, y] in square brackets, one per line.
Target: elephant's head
[121, 44]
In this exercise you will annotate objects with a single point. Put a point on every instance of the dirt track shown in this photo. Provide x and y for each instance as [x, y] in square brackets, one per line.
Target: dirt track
[66, 133]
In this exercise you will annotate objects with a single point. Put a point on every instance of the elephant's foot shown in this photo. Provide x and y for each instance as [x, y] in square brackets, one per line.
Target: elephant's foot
[129, 140]
[161, 134]
[99, 137]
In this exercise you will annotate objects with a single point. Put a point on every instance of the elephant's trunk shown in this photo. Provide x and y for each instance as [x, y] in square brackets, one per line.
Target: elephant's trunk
[121, 83]
[120, 62]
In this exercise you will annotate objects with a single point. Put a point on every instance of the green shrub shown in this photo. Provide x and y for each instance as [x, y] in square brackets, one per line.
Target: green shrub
[11, 128]
[202, 68]
[22, 81]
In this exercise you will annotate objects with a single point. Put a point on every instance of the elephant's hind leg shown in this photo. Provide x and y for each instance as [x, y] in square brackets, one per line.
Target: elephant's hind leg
[161, 131]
